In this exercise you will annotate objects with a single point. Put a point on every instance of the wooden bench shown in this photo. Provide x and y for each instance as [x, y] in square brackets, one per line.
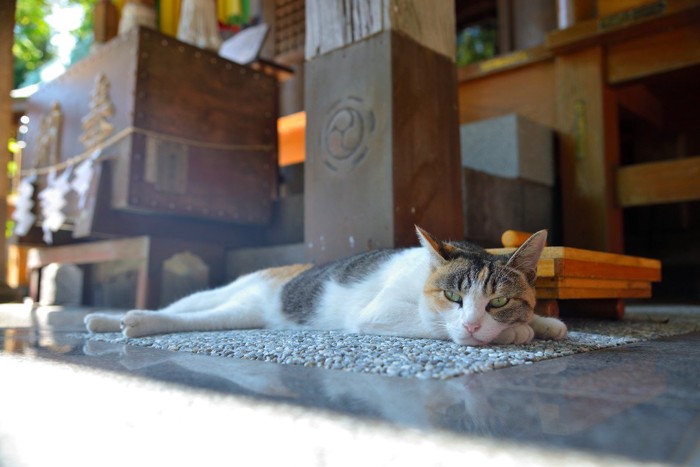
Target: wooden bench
[587, 282]
[136, 248]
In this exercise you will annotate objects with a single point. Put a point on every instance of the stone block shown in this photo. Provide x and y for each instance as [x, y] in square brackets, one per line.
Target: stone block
[244, 261]
[61, 284]
[510, 146]
[287, 224]
[183, 274]
[113, 284]
[382, 148]
[494, 204]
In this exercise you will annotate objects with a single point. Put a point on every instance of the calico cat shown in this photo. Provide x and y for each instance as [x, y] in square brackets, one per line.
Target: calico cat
[443, 290]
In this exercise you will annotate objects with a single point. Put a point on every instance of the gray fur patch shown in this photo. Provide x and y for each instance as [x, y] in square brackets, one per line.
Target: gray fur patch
[301, 295]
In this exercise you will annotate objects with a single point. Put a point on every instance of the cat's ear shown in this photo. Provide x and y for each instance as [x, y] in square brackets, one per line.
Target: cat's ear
[436, 248]
[526, 257]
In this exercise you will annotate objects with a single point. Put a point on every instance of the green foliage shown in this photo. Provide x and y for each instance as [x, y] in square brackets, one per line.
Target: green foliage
[9, 228]
[476, 43]
[32, 48]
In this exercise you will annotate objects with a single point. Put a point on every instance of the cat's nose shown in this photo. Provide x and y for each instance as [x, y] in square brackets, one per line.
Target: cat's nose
[472, 327]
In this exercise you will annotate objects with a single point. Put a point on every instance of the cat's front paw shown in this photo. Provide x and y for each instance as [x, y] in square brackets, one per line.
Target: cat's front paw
[521, 334]
[138, 323]
[102, 322]
[548, 328]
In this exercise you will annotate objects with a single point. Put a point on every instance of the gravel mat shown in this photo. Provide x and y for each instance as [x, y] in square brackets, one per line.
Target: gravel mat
[398, 356]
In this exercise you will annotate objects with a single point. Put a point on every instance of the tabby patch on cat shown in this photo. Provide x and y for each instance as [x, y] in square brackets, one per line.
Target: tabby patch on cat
[443, 290]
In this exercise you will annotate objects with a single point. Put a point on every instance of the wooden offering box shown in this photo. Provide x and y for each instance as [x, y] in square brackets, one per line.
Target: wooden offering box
[572, 273]
[193, 135]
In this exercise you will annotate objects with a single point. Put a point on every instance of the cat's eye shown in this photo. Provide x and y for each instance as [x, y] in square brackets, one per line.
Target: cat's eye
[453, 296]
[498, 302]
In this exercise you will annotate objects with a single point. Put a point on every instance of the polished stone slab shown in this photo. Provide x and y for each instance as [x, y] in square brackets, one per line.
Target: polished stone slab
[62, 414]
[639, 401]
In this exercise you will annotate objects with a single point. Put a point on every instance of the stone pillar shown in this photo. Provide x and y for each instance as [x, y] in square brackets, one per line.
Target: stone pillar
[382, 132]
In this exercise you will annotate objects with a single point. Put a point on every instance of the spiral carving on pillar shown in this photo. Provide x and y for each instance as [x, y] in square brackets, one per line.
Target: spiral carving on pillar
[348, 126]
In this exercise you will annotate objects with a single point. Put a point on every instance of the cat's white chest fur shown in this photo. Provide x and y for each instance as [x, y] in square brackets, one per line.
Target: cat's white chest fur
[386, 301]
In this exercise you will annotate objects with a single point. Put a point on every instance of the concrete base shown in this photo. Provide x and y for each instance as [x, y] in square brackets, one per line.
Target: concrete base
[510, 146]
[239, 262]
[494, 204]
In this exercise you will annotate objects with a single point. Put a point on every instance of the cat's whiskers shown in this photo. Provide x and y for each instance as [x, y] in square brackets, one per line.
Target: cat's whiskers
[441, 325]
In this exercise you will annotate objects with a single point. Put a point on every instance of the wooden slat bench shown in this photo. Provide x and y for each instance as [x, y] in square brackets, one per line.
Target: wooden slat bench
[569, 278]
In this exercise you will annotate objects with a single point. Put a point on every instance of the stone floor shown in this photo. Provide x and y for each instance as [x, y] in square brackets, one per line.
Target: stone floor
[68, 401]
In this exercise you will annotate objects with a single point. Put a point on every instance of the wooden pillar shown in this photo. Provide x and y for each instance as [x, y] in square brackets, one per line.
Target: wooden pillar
[382, 133]
[7, 24]
[589, 137]
[105, 22]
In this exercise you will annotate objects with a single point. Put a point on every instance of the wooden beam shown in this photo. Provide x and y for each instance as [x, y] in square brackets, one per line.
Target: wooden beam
[581, 293]
[617, 28]
[576, 268]
[607, 8]
[496, 94]
[589, 142]
[586, 283]
[576, 254]
[7, 24]
[659, 182]
[505, 26]
[662, 51]
[106, 21]
[564, 262]
[571, 12]
[334, 24]
[504, 62]
[639, 100]
[136, 249]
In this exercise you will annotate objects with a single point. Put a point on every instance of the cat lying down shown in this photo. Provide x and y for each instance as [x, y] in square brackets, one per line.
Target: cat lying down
[442, 290]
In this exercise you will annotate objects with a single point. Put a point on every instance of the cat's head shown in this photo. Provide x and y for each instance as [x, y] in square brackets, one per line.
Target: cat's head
[473, 295]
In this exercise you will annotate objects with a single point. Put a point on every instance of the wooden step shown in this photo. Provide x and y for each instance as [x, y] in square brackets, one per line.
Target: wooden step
[573, 273]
